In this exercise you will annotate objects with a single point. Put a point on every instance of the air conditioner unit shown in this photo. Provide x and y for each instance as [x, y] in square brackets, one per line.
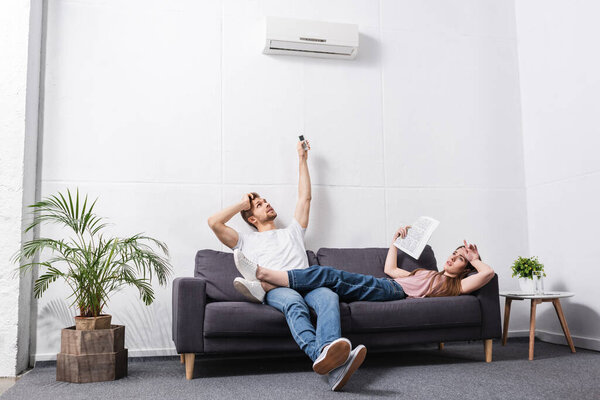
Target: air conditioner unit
[311, 38]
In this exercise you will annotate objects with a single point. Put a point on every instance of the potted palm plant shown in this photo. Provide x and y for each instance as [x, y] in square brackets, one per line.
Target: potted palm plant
[93, 265]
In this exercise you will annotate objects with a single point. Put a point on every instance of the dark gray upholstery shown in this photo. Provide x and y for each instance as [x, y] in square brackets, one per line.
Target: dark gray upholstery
[218, 268]
[490, 309]
[265, 344]
[370, 261]
[250, 319]
[189, 302]
[432, 312]
[312, 258]
[391, 340]
[209, 316]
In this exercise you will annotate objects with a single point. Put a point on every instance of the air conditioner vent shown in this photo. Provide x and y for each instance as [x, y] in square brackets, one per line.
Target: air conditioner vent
[310, 48]
[313, 40]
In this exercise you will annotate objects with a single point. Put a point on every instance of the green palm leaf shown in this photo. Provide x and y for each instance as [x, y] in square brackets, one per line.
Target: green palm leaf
[93, 266]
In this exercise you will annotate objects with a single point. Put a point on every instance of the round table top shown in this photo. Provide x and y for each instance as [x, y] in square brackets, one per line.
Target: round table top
[515, 294]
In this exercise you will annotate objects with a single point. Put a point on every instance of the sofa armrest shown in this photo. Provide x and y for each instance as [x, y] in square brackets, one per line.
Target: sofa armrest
[489, 299]
[189, 301]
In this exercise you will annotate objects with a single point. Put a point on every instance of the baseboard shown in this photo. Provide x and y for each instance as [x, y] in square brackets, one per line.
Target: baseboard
[153, 352]
[559, 338]
[545, 336]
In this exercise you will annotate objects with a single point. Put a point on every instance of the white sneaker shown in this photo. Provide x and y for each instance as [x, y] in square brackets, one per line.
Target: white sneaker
[252, 290]
[340, 376]
[246, 267]
[332, 356]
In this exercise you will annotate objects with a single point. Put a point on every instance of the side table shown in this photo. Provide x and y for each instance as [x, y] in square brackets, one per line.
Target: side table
[536, 299]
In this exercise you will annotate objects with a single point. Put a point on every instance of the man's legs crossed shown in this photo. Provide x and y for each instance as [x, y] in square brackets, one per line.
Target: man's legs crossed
[327, 307]
[326, 304]
[297, 315]
[330, 353]
[324, 346]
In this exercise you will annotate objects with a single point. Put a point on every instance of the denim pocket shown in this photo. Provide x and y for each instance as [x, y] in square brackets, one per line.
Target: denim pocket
[397, 288]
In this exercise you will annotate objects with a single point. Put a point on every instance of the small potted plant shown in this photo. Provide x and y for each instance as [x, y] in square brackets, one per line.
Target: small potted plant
[93, 265]
[524, 268]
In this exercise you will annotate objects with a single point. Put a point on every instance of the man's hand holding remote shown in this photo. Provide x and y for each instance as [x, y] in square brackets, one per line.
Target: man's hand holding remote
[303, 154]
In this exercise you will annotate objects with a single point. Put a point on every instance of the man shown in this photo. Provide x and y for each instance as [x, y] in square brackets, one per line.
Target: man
[283, 249]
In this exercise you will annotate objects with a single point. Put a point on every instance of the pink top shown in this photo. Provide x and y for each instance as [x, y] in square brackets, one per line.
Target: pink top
[418, 284]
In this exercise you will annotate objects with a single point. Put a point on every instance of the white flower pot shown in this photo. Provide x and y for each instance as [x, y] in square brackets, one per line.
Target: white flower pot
[527, 285]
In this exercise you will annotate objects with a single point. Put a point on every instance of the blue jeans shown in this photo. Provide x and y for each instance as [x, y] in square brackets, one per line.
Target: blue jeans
[348, 286]
[295, 308]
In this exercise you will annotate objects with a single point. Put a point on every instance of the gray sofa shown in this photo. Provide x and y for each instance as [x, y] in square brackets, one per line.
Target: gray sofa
[211, 317]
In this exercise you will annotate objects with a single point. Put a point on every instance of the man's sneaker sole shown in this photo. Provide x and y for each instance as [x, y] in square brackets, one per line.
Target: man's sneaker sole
[356, 363]
[241, 266]
[337, 354]
[240, 287]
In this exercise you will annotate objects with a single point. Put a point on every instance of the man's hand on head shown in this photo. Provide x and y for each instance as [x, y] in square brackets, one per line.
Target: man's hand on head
[302, 154]
[246, 202]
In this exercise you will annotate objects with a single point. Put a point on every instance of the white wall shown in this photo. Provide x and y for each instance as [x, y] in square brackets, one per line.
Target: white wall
[560, 82]
[20, 41]
[169, 111]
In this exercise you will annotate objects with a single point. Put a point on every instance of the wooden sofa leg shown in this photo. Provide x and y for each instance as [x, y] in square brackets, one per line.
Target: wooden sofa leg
[441, 345]
[189, 365]
[182, 358]
[487, 346]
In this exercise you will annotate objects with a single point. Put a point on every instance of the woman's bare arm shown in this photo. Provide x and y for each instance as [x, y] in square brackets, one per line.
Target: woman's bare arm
[484, 274]
[391, 260]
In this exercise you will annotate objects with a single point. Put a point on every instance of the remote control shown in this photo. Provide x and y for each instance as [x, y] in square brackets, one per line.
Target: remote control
[304, 146]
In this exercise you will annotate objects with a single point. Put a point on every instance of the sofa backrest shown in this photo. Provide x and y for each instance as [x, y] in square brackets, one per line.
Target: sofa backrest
[218, 268]
[370, 261]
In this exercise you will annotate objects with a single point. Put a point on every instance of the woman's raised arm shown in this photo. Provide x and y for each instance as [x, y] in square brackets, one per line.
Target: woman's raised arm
[391, 260]
[484, 274]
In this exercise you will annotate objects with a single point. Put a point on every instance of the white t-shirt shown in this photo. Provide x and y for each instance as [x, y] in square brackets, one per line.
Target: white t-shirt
[279, 249]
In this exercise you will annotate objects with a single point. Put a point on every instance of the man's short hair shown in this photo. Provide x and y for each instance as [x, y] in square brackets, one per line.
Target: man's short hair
[249, 213]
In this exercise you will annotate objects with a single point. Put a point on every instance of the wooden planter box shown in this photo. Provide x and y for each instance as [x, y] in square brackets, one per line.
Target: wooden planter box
[92, 356]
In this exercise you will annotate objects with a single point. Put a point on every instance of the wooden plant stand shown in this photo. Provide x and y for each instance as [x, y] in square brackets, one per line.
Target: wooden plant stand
[92, 356]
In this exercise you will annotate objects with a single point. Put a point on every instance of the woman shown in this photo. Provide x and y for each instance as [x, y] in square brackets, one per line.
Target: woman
[453, 280]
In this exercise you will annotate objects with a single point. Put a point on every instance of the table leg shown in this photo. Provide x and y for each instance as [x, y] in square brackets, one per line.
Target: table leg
[534, 303]
[563, 323]
[506, 317]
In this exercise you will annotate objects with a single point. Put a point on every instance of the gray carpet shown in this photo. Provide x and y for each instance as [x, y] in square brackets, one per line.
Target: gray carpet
[457, 372]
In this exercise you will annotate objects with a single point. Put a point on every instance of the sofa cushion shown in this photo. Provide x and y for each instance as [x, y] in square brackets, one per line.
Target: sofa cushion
[241, 319]
[312, 258]
[218, 268]
[415, 314]
[370, 261]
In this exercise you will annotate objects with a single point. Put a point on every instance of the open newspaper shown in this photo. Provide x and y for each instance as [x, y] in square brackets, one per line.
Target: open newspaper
[417, 236]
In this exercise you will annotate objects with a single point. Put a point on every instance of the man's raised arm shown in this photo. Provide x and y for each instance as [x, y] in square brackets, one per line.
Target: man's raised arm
[304, 192]
[228, 236]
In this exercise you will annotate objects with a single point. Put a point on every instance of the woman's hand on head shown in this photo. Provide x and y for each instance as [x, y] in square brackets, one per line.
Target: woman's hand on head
[401, 232]
[471, 251]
